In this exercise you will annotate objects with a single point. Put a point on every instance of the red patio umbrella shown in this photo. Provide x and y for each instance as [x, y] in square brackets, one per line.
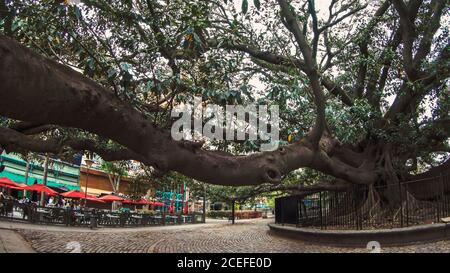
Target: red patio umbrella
[111, 198]
[142, 201]
[95, 199]
[9, 186]
[15, 188]
[5, 182]
[75, 194]
[41, 188]
[157, 204]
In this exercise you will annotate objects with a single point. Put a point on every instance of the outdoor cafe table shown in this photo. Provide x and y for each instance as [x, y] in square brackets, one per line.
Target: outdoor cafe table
[79, 217]
[157, 218]
[185, 217]
[137, 219]
[42, 213]
[173, 218]
[113, 219]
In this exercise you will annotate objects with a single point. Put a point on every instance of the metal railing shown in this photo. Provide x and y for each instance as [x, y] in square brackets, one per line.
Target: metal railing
[13, 210]
[404, 204]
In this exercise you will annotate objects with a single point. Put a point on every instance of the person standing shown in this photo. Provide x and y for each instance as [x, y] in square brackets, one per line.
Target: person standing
[2, 202]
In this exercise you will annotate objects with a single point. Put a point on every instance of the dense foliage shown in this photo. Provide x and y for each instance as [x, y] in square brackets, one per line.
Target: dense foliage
[158, 54]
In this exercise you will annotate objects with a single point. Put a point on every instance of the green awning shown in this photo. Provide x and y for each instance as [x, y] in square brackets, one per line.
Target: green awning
[21, 179]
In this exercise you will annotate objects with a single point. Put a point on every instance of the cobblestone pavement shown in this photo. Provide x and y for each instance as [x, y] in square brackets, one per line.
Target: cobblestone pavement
[11, 242]
[250, 236]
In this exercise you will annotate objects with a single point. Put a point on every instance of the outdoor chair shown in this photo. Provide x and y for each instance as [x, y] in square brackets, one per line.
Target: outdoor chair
[186, 218]
[2, 208]
[135, 219]
[145, 219]
[8, 207]
[156, 219]
[112, 220]
[26, 211]
[55, 216]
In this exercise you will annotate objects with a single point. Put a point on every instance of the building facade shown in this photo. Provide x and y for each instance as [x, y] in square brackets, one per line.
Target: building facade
[98, 182]
[60, 174]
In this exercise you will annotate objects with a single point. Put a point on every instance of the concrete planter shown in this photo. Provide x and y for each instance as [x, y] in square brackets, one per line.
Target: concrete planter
[360, 238]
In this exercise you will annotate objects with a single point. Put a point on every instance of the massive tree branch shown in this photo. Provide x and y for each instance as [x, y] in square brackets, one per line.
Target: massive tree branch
[12, 141]
[408, 97]
[408, 36]
[310, 70]
[55, 94]
[29, 128]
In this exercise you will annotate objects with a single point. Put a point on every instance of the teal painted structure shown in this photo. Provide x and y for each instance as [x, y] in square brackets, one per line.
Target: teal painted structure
[171, 198]
[60, 174]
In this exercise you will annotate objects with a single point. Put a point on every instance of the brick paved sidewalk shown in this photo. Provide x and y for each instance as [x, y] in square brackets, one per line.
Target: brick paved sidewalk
[15, 225]
[217, 237]
[12, 242]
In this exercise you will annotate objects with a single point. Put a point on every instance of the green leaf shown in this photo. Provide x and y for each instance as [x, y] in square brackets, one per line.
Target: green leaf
[77, 13]
[112, 73]
[16, 24]
[244, 6]
[149, 86]
[125, 66]
[91, 63]
[257, 4]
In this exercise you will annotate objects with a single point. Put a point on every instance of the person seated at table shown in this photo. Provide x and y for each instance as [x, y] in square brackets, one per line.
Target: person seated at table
[50, 202]
[7, 196]
[24, 200]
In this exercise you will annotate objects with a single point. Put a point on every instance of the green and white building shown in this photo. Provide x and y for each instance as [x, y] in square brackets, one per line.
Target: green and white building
[60, 174]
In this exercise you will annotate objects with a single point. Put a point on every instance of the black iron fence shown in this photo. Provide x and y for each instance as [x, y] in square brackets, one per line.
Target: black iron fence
[13, 210]
[403, 204]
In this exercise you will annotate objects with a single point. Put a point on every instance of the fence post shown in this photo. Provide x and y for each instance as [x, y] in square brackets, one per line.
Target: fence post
[441, 205]
[446, 198]
[355, 207]
[320, 210]
[355, 202]
[33, 212]
[401, 202]
[66, 217]
[407, 205]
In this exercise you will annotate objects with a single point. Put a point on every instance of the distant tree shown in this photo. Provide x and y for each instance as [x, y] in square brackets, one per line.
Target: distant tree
[115, 171]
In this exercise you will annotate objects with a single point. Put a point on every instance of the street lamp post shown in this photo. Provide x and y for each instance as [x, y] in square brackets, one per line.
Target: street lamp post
[44, 178]
[204, 203]
[232, 210]
[89, 163]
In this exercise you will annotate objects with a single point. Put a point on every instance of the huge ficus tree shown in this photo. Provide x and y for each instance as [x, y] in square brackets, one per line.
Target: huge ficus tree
[362, 85]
